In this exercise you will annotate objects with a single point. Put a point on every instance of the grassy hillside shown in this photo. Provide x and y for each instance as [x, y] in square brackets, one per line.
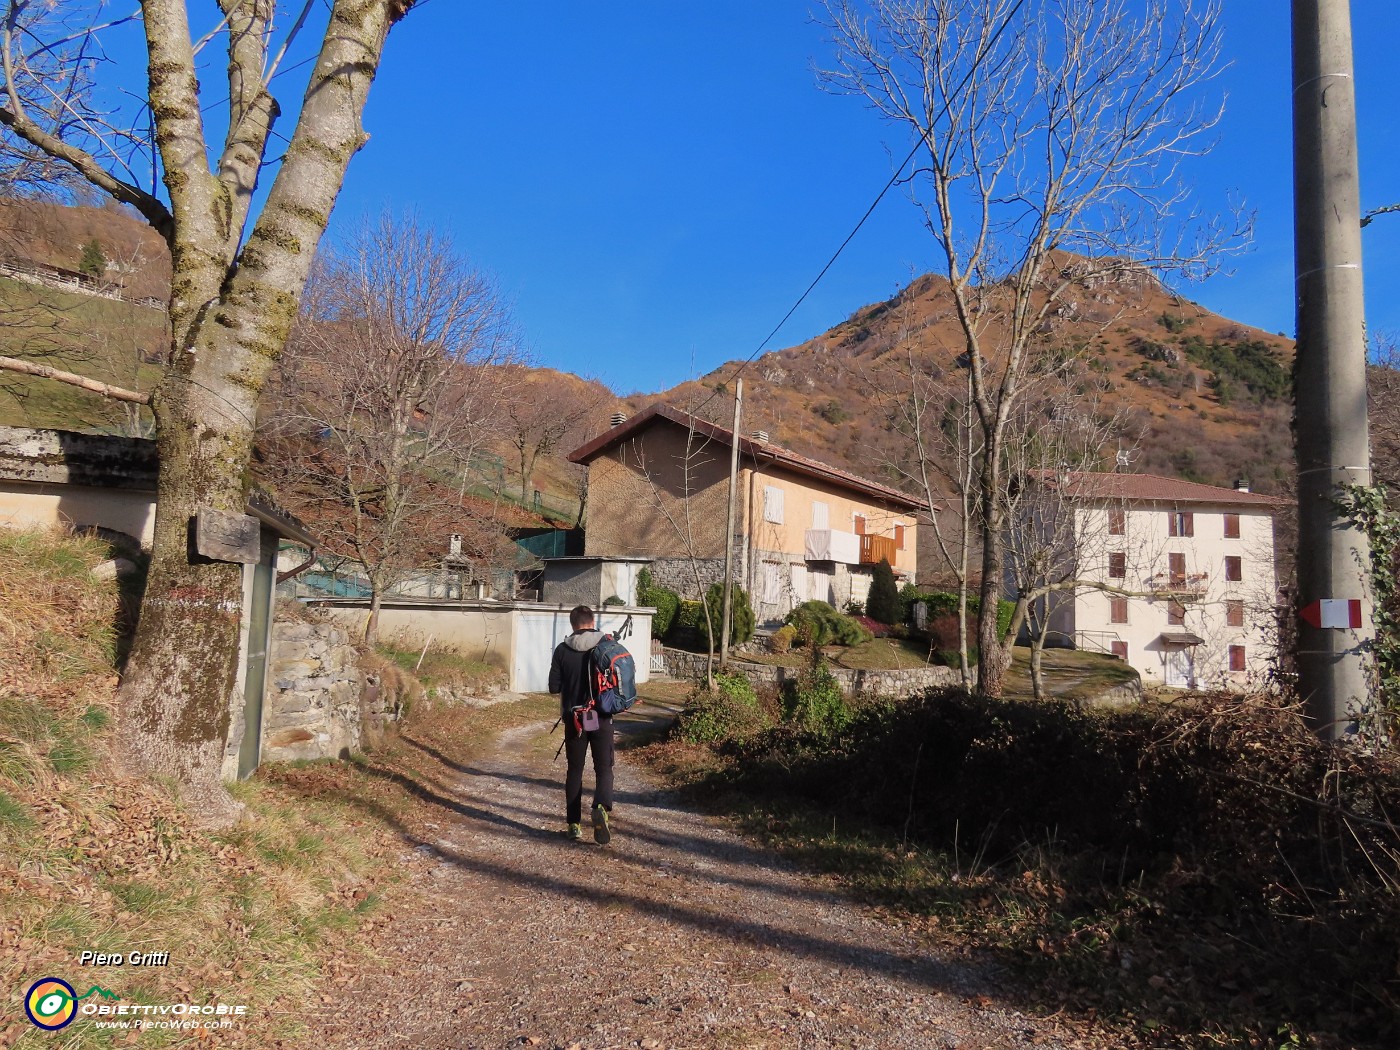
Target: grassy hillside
[102, 338]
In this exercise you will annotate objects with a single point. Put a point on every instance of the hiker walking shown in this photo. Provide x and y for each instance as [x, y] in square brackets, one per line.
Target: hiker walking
[586, 727]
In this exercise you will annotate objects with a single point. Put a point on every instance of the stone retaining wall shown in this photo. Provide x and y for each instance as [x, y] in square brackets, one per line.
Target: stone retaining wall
[682, 664]
[318, 702]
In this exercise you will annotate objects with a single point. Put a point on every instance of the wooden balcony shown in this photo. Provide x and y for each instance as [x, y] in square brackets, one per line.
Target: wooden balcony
[875, 548]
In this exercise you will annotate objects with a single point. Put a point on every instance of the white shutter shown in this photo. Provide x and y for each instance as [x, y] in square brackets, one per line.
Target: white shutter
[772, 504]
[821, 517]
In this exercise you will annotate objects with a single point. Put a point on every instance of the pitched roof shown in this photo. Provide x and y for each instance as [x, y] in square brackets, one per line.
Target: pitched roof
[1154, 488]
[762, 452]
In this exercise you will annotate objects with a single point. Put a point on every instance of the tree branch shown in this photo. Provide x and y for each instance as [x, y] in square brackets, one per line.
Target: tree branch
[116, 393]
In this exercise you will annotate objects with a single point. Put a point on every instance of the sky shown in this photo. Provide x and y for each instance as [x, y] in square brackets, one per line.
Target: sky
[654, 184]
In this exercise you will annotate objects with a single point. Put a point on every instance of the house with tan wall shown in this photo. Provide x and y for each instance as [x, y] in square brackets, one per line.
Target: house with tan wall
[1175, 577]
[658, 487]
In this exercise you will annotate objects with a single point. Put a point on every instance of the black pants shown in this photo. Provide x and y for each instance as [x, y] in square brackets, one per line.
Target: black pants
[576, 745]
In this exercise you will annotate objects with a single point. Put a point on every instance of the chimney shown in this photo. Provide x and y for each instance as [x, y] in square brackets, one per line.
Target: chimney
[761, 436]
[1241, 484]
[618, 418]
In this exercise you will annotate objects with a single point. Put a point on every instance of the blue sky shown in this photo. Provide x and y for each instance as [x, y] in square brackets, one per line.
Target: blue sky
[653, 184]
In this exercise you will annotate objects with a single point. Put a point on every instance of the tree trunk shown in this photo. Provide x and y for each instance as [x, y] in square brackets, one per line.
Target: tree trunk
[183, 667]
[231, 310]
[376, 601]
[1037, 678]
[992, 654]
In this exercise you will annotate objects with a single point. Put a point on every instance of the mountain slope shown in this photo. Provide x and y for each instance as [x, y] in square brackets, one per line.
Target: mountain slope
[1209, 396]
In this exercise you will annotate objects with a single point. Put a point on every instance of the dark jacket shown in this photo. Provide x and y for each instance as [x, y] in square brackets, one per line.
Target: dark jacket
[571, 670]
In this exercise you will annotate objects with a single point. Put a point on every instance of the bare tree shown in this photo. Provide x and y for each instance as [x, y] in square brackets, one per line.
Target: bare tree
[237, 280]
[1044, 128]
[1061, 430]
[390, 387]
[549, 413]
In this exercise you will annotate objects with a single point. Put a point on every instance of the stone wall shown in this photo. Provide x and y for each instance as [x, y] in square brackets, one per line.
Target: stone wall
[318, 702]
[682, 664]
[678, 574]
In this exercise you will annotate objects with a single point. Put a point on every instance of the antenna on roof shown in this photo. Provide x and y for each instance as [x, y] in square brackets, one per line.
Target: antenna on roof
[1123, 461]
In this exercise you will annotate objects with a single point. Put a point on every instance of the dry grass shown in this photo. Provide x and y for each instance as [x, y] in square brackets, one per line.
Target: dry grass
[90, 860]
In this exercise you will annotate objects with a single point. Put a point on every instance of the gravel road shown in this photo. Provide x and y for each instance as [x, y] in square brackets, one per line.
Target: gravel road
[678, 934]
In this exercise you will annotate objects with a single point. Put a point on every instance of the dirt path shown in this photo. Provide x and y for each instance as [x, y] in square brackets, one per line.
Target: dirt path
[678, 934]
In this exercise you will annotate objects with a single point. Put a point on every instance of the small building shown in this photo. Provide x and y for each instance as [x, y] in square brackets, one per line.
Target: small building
[658, 488]
[591, 581]
[1175, 577]
[54, 478]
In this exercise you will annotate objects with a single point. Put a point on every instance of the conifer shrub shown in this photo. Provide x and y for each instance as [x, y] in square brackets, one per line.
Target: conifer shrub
[741, 617]
[882, 604]
[819, 624]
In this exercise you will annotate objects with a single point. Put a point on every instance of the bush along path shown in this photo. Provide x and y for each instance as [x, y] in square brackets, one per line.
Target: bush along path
[677, 934]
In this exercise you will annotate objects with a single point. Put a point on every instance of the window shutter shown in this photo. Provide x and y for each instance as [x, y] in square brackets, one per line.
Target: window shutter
[772, 504]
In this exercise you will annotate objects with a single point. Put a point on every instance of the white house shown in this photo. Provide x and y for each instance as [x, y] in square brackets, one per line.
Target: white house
[1175, 577]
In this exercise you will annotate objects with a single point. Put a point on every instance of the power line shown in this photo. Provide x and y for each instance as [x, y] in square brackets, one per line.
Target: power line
[898, 172]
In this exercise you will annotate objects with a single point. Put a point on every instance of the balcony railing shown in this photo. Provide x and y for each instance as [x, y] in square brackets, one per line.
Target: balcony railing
[874, 549]
[1179, 583]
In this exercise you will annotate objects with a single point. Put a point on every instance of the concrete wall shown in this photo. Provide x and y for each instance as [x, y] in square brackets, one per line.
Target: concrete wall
[519, 636]
[24, 505]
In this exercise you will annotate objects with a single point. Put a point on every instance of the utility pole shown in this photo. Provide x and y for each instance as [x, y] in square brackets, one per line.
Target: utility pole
[727, 616]
[1334, 665]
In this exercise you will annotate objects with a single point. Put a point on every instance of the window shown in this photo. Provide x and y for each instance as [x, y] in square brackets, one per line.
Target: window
[1181, 523]
[1117, 566]
[1117, 610]
[1119, 649]
[1232, 526]
[773, 504]
[1237, 658]
[1118, 522]
[1234, 613]
[820, 515]
[1233, 569]
[1176, 570]
[899, 537]
[1176, 614]
[858, 524]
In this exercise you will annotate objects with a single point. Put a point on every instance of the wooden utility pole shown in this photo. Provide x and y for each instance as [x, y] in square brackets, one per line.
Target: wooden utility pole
[727, 616]
[1334, 666]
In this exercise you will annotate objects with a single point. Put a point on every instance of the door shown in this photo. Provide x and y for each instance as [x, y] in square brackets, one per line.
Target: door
[1179, 669]
[770, 593]
[799, 584]
[819, 586]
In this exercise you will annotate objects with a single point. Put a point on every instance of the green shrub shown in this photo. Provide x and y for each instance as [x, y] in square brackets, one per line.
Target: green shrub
[814, 703]
[819, 624]
[782, 639]
[731, 711]
[613, 599]
[945, 603]
[883, 603]
[741, 617]
[666, 603]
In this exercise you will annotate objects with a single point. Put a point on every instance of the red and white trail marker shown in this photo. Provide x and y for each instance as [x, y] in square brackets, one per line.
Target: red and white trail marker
[1332, 612]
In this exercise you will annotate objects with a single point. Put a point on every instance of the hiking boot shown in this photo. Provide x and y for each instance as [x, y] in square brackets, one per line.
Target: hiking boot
[601, 832]
[575, 832]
